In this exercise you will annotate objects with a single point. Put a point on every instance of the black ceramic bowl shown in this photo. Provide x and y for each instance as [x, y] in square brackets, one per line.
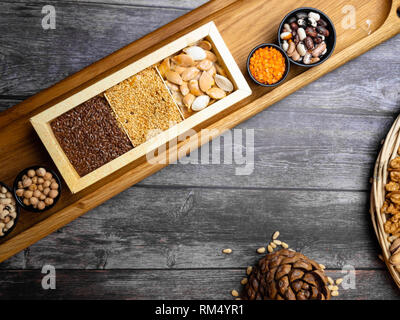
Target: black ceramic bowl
[330, 41]
[19, 178]
[286, 62]
[17, 210]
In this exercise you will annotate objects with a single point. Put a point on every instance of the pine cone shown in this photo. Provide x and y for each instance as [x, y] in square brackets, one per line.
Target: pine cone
[287, 275]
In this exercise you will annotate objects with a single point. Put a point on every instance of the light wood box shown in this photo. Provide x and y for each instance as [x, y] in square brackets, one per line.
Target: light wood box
[41, 122]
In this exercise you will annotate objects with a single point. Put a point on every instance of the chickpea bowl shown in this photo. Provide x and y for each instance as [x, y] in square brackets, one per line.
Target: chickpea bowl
[37, 188]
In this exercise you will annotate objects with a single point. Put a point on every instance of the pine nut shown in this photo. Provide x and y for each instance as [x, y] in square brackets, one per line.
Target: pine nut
[227, 251]
[335, 293]
[278, 242]
[235, 293]
[339, 281]
[261, 250]
[249, 270]
[244, 281]
[285, 245]
[270, 249]
[275, 235]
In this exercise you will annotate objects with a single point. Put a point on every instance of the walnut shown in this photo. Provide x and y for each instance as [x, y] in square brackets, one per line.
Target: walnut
[394, 197]
[385, 206]
[395, 176]
[392, 186]
[393, 209]
[391, 227]
[395, 163]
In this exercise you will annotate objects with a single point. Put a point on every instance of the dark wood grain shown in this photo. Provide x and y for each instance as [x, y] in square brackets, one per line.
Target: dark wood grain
[165, 284]
[314, 153]
[188, 228]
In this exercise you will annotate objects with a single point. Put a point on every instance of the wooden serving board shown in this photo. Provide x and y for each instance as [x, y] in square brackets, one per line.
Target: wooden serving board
[243, 24]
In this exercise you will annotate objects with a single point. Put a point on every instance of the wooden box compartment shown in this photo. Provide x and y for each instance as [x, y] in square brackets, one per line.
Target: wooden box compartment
[41, 122]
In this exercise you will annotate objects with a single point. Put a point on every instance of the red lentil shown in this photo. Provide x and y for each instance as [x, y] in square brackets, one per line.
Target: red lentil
[267, 65]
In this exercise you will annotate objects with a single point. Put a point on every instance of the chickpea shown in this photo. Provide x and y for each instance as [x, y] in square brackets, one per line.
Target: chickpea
[20, 192]
[31, 173]
[20, 185]
[41, 205]
[42, 197]
[34, 200]
[35, 180]
[8, 195]
[28, 194]
[26, 202]
[32, 187]
[24, 177]
[40, 181]
[53, 180]
[40, 187]
[46, 191]
[54, 186]
[49, 201]
[53, 194]
[47, 184]
[37, 193]
[40, 172]
[48, 176]
[7, 219]
[26, 182]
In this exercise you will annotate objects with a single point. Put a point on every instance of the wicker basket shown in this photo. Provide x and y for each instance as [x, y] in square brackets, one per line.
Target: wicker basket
[378, 192]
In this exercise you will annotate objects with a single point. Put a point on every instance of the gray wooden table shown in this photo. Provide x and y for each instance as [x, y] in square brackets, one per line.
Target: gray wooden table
[314, 153]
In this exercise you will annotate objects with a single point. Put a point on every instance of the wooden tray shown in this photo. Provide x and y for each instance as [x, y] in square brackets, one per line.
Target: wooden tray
[243, 24]
[41, 122]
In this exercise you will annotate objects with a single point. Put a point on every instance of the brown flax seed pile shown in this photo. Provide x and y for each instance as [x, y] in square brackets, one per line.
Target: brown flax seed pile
[90, 135]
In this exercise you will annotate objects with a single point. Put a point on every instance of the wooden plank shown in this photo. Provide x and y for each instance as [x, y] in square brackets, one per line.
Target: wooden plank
[107, 29]
[156, 4]
[56, 61]
[165, 284]
[294, 150]
[188, 228]
[369, 78]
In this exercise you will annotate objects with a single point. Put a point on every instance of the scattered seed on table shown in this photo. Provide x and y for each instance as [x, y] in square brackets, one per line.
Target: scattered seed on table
[261, 250]
[335, 293]
[285, 245]
[270, 249]
[273, 245]
[244, 281]
[330, 280]
[275, 235]
[335, 288]
[227, 251]
[235, 293]
[322, 266]
[278, 242]
[249, 270]
[339, 281]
